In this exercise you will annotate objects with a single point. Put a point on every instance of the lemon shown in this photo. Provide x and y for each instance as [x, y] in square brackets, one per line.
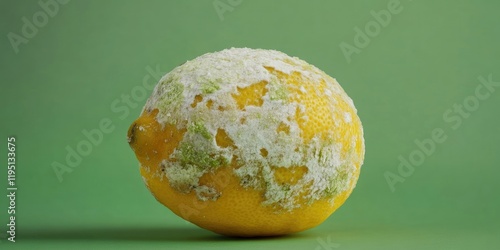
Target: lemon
[249, 142]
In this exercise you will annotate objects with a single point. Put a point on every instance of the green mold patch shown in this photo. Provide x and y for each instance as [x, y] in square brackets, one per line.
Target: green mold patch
[170, 101]
[199, 128]
[172, 95]
[278, 91]
[188, 154]
[209, 87]
[189, 163]
[339, 182]
[182, 178]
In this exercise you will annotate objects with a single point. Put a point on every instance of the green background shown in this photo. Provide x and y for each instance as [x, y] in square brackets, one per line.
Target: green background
[427, 59]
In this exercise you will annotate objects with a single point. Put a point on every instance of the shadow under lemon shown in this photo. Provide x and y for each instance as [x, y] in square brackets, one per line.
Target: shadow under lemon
[138, 234]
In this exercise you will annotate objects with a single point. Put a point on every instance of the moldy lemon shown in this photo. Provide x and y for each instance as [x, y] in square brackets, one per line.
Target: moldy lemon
[249, 142]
